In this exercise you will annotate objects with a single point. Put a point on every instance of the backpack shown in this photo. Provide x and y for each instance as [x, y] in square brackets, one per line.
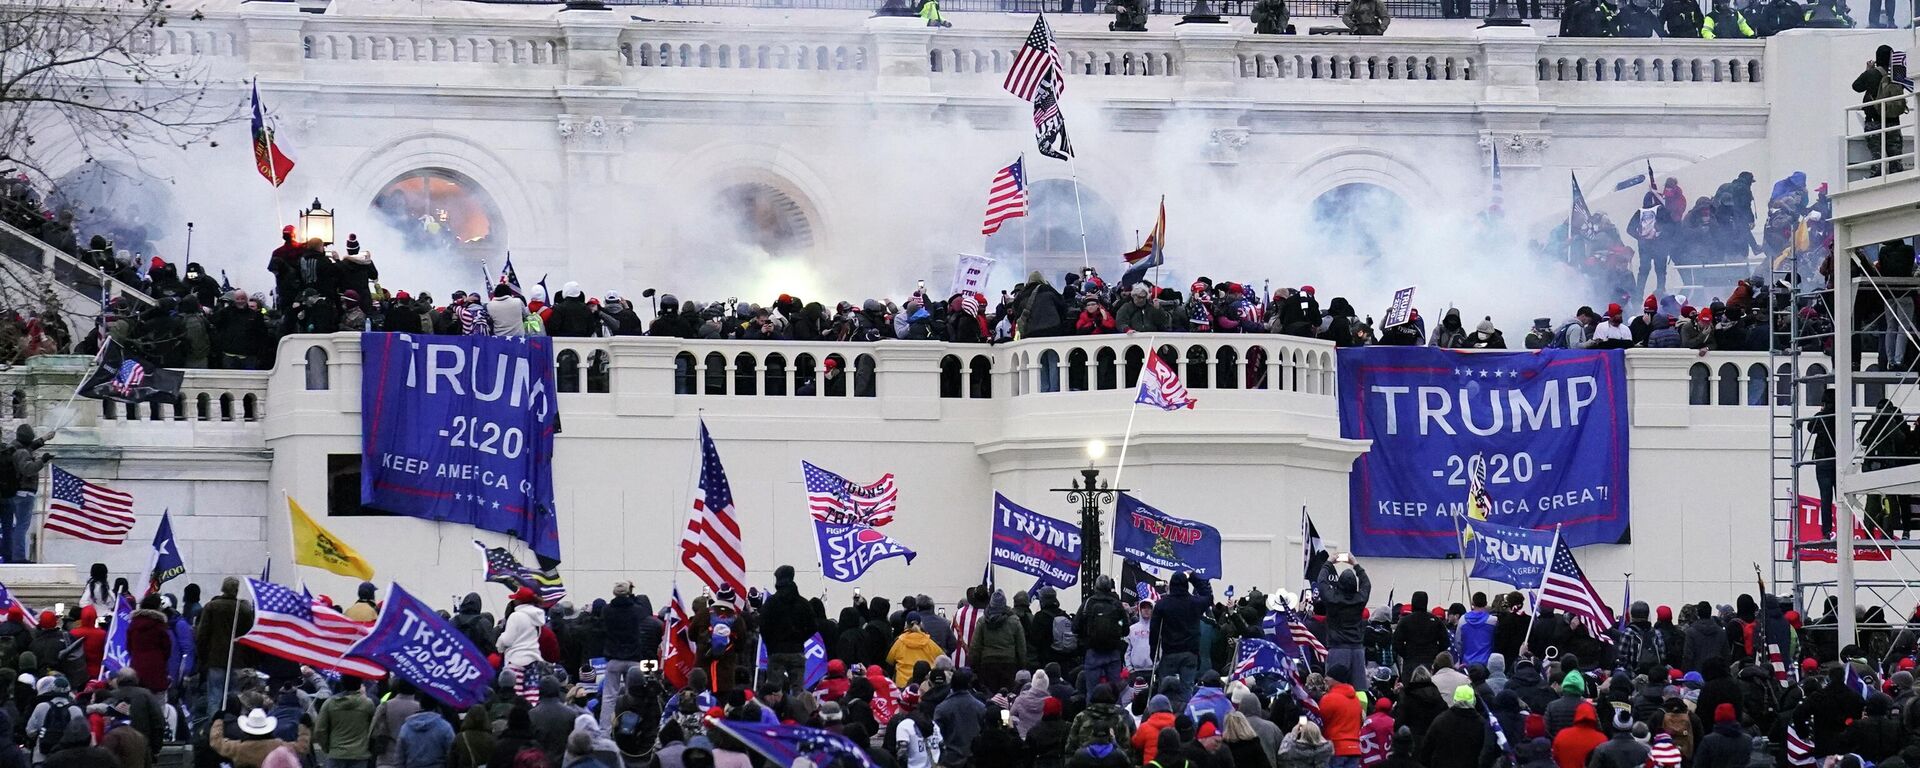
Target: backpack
[58, 714]
[1891, 111]
[1106, 625]
[1649, 656]
[1064, 640]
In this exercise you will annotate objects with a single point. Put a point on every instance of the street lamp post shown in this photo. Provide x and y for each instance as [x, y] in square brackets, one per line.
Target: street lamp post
[1090, 493]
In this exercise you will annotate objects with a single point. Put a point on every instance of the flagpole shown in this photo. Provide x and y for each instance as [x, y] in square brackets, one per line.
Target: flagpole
[1080, 212]
[1460, 541]
[1526, 641]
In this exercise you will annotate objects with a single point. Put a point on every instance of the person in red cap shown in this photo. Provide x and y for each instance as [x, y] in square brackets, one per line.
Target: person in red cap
[285, 266]
[1611, 333]
[519, 642]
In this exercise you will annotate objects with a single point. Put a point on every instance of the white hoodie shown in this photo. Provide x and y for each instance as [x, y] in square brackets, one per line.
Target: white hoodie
[1139, 647]
[520, 640]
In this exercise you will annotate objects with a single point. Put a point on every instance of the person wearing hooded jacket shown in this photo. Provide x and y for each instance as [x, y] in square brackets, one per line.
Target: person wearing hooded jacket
[1175, 628]
[1573, 744]
[571, 317]
[150, 645]
[999, 647]
[1728, 746]
[1419, 636]
[1706, 639]
[1476, 632]
[1681, 18]
[1456, 737]
[1343, 596]
[632, 635]
[475, 623]
[786, 621]
[1419, 702]
[1450, 334]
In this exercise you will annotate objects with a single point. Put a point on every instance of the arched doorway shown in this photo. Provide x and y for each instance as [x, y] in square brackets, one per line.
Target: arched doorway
[436, 209]
[1048, 237]
[766, 217]
[1359, 219]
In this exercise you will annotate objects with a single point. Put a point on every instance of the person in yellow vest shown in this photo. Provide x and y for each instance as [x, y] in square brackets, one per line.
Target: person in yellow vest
[930, 11]
[1725, 22]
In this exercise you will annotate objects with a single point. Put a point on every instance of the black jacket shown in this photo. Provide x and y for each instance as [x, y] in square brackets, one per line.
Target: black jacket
[1176, 620]
[633, 633]
[1726, 747]
[476, 624]
[1721, 688]
[572, 318]
[1419, 638]
[1453, 740]
[1706, 639]
[1344, 597]
[786, 621]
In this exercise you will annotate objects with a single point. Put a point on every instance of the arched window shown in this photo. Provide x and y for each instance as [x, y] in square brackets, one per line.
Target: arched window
[980, 377]
[745, 374]
[1106, 373]
[950, 376]
[864, 371]
[1815, 383]
[1359, 219]
[566, 370]
[1757, 384]
[803, 383]
[1077, 370]
[1783, 385]
[1227, 368]
[836, 384]
[1048, 238]
[716, 374]
[250, 406]
[316, 368]
[444, 211]
[776, 372]
[1196, 375]
[599, 372]
[1049, 371]
[1699, 385]
[1729, 385]
[226, 406]
[1136, 360]
[203, 407]
[1256, 367]
[683, 376]
[765, 217]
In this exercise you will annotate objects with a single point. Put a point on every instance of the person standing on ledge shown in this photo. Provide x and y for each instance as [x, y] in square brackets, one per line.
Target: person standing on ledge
[20, 481]
[1366, 17]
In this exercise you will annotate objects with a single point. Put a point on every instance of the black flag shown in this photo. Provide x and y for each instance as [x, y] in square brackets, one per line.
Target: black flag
[128, 379]
[1049, 126]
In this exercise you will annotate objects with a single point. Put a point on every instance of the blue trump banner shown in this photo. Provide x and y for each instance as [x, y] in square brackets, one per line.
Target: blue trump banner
[460, 429]
[116, 656]
[1550, 426]
[815, 652]
[1147, 535]
[1034, 544]
[1509, 555]
[1258, 657]
[413, 642]
[847, 550]
[795, 745]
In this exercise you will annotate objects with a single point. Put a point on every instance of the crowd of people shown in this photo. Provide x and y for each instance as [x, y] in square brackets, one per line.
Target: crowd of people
[199, 321]
[1125, 678]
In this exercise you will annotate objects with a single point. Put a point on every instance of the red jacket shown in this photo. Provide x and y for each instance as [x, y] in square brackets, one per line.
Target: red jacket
[1376, 738]
[93, 640]
[1146, 738]
[1340, 708]
[149, 643]
[1575, 742]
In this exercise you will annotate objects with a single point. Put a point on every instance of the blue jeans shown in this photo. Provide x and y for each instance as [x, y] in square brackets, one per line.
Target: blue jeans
[17, 526]
[1183, 665]
[216, 683]
[1097, 664]
[613, 685]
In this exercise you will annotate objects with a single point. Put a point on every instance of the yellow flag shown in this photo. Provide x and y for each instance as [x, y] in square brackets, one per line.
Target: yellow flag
[315, 546]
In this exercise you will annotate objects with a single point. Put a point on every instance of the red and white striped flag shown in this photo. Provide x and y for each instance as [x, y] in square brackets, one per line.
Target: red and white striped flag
[1160, 387]
[88, 511]
[1038, 60]
[966, 621]
[711, 546]
[297, 627]
[1565, 588]
[1782, 672]
[1304, 638]
[1665, 753]
[1006, 196]
[676, 650]
[1799, 750]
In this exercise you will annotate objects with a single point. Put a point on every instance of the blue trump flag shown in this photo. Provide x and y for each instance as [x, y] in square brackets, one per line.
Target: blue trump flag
[1550, 425]
[1258, 657]
[847, 550]
[459, 429]
[1509, 555]
[784, 744]
[166, 555]
[1034, 544]
[815, 652]
[116, 657]
[413, 642]
[1144, 534]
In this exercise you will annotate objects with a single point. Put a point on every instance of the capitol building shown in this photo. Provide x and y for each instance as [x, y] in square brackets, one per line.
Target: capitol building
[713, 152]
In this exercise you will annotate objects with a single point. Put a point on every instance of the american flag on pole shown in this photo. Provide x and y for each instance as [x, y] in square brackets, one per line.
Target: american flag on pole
[1799, 749]
[1006, 196]
[1496, 194]
[711, 546]
[1565, 587]
[88, 511]
[1160, 387]
[295, 626]
[835, 499]
[1778, 661]
[1037, 62]
[503, 568]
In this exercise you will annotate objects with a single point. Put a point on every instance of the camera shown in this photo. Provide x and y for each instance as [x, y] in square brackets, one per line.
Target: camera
[649, 666]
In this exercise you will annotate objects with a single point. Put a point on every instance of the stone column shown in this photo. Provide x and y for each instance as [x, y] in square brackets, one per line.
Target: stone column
[1208, 66]
[593, 47]
[899, 61]
[1509, 64]
[276, 45]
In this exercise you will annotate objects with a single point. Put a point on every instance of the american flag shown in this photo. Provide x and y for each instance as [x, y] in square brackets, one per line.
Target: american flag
[835, 499]
[1496, 195]
[503, 568]
[1899, 62]
[1665, 752]
[297, 627]
[1049, 125]
[130, 374]
[1778, 661]
[1304, 638]
[966, 621]
[1799, 749]
[1299, 686]
[1006, 196]
[1147, 592]
[1565, 587]
[474, 320]
[712, 547]
[1160, 387]
[1037, 62]
[1580, 215]
[88, 511]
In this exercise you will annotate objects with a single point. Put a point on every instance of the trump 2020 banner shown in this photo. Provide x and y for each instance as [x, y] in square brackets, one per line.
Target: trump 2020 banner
[1551, 426]
[1144, 534]
[1034, 544]
[460, 429]
[1513, 556]
[413, 642]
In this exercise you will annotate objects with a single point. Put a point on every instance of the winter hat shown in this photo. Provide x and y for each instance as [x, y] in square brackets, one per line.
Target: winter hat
[1723, 713]
[1651, 303]
[1574, 683]
[1665, 613]
[157, 263]
[48, 620]
[1159, 703]
[1383, 706]
[1485, 326]
[1542, 323]
[1463, 696]
[523, 595]
[1535, 726]
[1622, 718]
[1206, 731]
[1050, 707]
[1613, 311]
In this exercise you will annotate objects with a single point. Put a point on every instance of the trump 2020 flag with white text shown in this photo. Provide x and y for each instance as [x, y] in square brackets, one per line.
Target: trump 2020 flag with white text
[459, 429]
[847, 550]
[413, 642]
[1509, 555]
[1160, 387]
